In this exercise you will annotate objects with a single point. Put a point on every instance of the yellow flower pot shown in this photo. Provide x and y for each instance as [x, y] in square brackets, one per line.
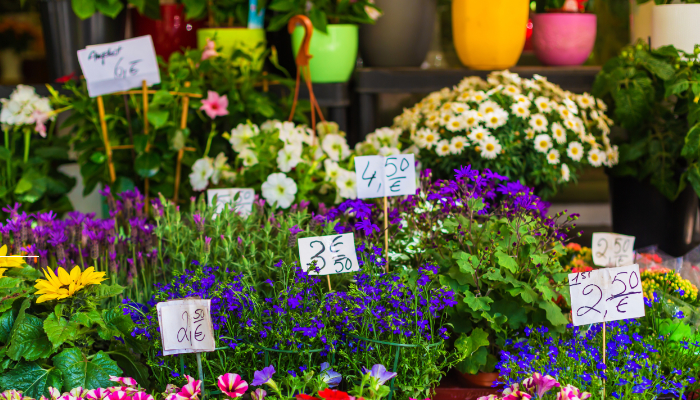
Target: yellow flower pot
[489, 34]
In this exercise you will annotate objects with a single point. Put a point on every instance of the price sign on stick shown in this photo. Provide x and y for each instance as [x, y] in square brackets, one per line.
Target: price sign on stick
[612, 249]
[119, 66]
[379, 176]
[333, 254]
[185, 326]
[607, 294]
[243, 203]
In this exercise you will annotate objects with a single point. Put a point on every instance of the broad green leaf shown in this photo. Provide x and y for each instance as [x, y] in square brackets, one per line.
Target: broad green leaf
[7, 319]
[158, 117]
[60, 330]
[477, 303]
[131, 367]
[468, 263]
[7, 282]
[692, 143]
[506, 261]
[140, 142]
[473, 364]
[147, 165]
[83, 8]
[23, 186]
[33, 380]
[110, 8]
[194, 9]
[5, 154]
[98, 157]
[88, 319]
[28, 340]
[554, 314]
[109, 290]
[77, 370]
[161, 98]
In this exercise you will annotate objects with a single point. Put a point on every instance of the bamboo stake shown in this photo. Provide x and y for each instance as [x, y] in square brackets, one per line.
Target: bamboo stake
[144, 89]
[328, 277]
[181, 153]
[386, 234]
[105, 138]
[604, 361]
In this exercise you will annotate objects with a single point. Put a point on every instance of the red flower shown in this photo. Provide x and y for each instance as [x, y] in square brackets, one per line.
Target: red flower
[330, 394]
[66, 78]
[302, 396]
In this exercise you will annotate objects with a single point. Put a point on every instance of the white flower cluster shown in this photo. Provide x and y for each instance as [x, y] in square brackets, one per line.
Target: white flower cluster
[481, 114]
[295, 145]
[25, 107]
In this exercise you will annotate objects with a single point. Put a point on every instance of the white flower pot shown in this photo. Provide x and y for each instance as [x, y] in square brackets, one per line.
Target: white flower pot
[677, 25]
[640, 20]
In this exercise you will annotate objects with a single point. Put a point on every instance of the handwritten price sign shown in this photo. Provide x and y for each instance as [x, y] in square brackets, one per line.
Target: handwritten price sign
[185, 326]
[607, 294]
[612, 249]
[239, 200]
[119, 66]
[379, 176]
[333, 254]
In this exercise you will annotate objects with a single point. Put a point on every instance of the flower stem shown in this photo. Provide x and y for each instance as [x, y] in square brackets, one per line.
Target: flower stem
[27, 137]
[7, 146]
[209, 139]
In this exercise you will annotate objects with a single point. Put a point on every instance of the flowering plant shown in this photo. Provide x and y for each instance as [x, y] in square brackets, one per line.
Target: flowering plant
[528, 129]
[573, 6]
[28, 171]
[669, 282]
[284, 161]
[324, 12]
[577, 258]
[537, 386]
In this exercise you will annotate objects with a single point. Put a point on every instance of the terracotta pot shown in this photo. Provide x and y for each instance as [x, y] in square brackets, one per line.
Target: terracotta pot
[480, 380]
[171, 32]
[563, 38]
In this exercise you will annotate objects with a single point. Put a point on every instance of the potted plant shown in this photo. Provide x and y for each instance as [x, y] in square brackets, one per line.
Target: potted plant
[228, 25]
[334, 41]
[526, 129]
[171, 32]
[674, 24]
[489, 34]
[563, 33]
[651, 96]
[401, 37]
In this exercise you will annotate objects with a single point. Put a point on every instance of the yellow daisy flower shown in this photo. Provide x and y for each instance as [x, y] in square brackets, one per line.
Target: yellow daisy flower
[9, 261]
[64, 285]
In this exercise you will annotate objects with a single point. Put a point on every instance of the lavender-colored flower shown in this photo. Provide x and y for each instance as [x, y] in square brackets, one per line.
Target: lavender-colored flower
[264, 376]
[367, 227]
[295, 230]
[329, 376]
[379, 373]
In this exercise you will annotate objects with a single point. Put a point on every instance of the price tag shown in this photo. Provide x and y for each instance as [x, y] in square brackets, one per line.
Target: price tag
[333, 254]
[612, 249]
[185, 326]
[118, 66]
[379, 176]
[607, 294]
[243, 204]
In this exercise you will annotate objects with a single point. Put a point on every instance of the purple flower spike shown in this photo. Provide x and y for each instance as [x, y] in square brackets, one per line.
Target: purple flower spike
[380, 373]
[295, 229]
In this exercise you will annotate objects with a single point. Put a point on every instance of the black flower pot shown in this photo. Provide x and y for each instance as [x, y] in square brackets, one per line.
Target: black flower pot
[639, 209]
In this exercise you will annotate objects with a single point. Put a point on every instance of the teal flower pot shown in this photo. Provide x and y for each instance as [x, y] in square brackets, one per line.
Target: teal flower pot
[334, 54]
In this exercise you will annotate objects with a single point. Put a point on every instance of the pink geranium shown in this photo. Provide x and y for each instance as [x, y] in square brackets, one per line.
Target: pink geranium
[209, 50]
[232, 385]
[215, 105]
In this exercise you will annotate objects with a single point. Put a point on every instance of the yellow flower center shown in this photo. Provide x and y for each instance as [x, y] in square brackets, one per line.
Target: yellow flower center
[538, 122]
[494, 120]
[470, 120]
[543, 143]
[488, 110]
[490, 147]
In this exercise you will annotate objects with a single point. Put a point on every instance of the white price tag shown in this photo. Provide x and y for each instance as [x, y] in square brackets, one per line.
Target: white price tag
[379, 176]
[243, 204]
[185, 326]
[612, 249]
[333, 254]
[607, 294]
[118, 66]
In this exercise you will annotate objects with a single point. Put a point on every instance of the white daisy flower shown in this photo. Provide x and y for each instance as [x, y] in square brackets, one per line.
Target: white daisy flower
[477, 96]
[520, 109]
[543, 143]
[564, 112]
[496, 119]
[432, 120]
[457, 144]
[539, 123]
[443, 148]
[478, 134]
[279, 190]
[543, 104]
[472, 118]
[522, 99]
[511, 90]
[459, 108]
[529, 133]
[490, 148]
[558, 133]
[553, 157]
[570, 105]
[445, 117]
[488, 106]
[446, 107]
[575, 151]
[565, 173]
[430, 138]
[570, 124]
[596, 157]
[612, 156]
[585, 100]
[456, 124]
[601, 105]
[464, 96]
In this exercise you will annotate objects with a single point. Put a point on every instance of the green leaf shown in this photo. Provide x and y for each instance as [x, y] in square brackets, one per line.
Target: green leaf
[194, 9]
[7, 319]
[83, 8]
[660, 68]
[468, 263]
[318, 19]
[79, 371]
[60, 330]
[125, 360]
[28, 340]
[477, 303]
[5, 154]
[692, 143]
[554, 314]
[474, 364]
[162, 98]
[33, 380]
[98, 157]
[109, 8]
[23, 185]
[158, 117]
[507, 262]
[140, 142]
[7, 282]
[88, 319]
[109, 290]
[147, 165]
[149, 8]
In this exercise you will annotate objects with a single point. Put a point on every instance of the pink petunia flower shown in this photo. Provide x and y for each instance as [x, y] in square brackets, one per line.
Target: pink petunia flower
[232, 385]
[141, 396]
[191, 390]
[118, 395]
[215, 105]
[97, 394]
[124, 380]
[54, 393]
[540, 384]
[517, 395]
[570, 392]
[209, 50]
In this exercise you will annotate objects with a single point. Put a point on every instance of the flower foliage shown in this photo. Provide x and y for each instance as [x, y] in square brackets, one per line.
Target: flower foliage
[527, 129]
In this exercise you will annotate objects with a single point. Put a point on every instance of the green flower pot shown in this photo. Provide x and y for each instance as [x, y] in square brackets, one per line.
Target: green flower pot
[334, 54]
[252, 41]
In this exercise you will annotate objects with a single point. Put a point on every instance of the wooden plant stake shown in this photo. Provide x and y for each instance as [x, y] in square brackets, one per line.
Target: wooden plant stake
[604, 360]
[105, 138]
[181, 152]
[144, 89]
[328, 277]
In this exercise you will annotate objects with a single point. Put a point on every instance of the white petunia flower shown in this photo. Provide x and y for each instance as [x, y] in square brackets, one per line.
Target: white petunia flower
[456, 124]
[347, 184]
[565, 173]
[539, 123]
[249, 157]
[490, 148]
[241, 136]
[457, 144]
[558, 133]
[219, 167]
[520, 109]
[288, 157]
[389, 151]
[553, 156]
[332, 170]
[202, 170]
[543, 143]
[596, 157]
[478, 134]
[443, 148]
[279, 190]
[336, 147]
[575, 151]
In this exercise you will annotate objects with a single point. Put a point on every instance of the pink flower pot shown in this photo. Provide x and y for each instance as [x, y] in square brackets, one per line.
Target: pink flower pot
[563, 38]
